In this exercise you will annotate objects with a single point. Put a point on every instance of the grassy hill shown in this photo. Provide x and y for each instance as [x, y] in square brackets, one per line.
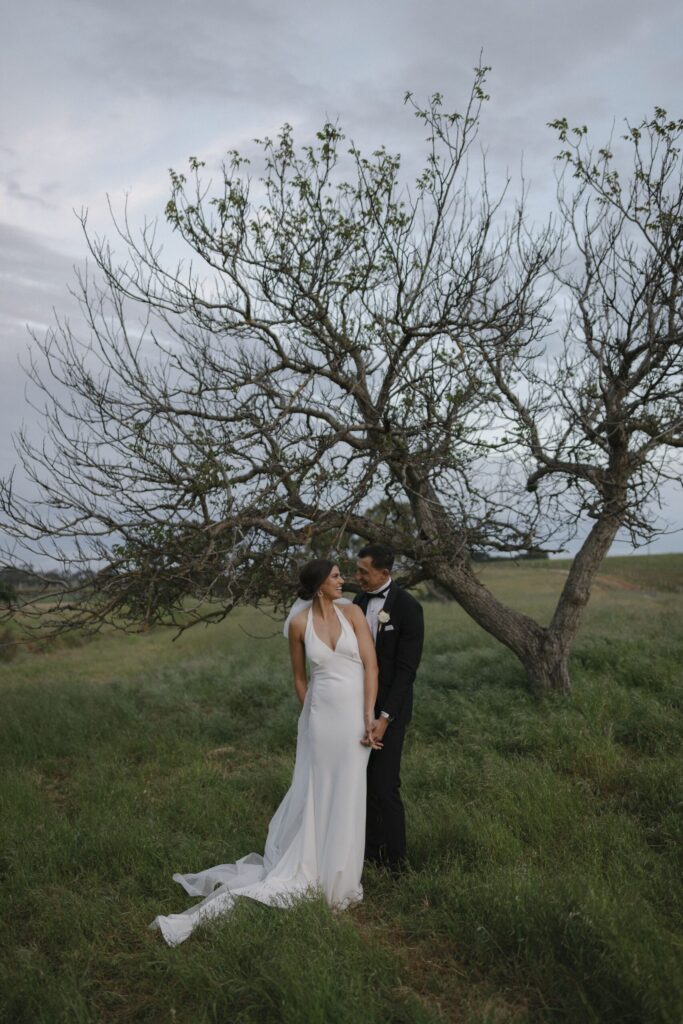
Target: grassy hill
[545, 838]
[649, 572]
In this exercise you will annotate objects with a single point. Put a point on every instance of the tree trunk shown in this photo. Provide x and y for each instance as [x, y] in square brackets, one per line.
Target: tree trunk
[544, 652]
[580, 579]
[547, 666]
[518, 632]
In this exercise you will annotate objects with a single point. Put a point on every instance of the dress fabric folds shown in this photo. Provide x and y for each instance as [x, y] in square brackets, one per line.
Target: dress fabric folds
[316, 837]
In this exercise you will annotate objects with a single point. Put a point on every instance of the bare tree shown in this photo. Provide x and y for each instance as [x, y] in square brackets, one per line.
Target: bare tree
[599, 421]
[343, 343]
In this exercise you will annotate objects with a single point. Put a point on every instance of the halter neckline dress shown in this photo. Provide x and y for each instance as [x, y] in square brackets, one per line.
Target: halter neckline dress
[316, 838]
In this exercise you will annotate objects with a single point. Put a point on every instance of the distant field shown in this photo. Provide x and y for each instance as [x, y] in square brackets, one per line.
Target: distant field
[545, 838]
[650, 572]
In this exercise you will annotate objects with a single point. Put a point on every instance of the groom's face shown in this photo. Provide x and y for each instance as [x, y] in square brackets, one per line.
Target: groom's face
[368, 576]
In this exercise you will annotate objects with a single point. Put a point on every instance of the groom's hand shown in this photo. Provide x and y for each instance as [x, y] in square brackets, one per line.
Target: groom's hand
[378, 728]
[371, 739]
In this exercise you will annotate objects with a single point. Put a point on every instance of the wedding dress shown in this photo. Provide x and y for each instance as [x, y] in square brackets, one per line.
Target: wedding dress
[316, 838]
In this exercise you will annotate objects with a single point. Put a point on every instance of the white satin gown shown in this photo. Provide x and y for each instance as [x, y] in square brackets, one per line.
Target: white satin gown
[316, 837]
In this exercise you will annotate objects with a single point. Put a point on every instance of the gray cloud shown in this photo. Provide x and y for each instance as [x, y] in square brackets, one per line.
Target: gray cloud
[15, 191]
[33, 284]
[99, 98]
[33, 277]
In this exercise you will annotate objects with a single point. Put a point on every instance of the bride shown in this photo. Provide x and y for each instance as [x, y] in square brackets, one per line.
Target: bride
[316, 837]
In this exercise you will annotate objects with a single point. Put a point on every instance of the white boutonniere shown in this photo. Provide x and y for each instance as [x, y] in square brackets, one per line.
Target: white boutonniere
[383, 617]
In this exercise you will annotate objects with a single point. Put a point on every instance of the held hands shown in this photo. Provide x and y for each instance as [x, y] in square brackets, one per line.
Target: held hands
[374, 733]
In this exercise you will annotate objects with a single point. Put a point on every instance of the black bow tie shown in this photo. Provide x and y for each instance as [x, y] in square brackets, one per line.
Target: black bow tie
[382, 593]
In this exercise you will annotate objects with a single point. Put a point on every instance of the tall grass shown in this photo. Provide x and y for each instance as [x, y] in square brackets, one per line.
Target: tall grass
[545, 838]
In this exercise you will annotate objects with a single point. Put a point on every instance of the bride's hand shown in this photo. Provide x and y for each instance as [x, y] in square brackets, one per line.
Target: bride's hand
[369, 740]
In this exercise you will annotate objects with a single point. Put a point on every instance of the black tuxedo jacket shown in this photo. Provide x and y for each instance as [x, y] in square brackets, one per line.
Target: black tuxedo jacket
[399, 649]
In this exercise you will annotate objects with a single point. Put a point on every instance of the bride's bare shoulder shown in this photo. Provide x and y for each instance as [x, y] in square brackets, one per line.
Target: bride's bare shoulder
[297, 626]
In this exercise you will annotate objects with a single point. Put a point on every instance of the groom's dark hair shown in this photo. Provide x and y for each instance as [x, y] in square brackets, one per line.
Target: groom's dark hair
[381, 555]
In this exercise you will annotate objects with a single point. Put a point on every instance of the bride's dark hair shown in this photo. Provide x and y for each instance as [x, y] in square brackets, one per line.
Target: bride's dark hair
[312, 574]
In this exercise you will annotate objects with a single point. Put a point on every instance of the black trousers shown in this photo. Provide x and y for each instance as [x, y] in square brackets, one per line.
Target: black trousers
[385, 826]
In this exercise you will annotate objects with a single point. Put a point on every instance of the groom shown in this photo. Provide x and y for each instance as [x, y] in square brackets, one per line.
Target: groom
[396, 622]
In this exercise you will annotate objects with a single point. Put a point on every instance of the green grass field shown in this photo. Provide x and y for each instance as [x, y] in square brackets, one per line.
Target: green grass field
[545, 838]
[647, 572]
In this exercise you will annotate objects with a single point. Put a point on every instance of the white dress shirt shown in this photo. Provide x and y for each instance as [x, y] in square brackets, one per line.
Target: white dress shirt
[375, 607]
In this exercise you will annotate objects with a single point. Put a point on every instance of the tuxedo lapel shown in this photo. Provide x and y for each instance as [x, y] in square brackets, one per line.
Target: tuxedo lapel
[386, 609]
[390, 599]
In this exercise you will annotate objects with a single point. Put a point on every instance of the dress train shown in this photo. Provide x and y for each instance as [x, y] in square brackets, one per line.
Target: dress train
[316, 837]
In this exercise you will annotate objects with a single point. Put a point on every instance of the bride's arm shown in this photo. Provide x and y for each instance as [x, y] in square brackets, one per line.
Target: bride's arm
[297, 653]
[366, 649]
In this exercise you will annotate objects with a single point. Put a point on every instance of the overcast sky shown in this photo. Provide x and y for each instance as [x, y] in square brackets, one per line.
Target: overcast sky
[100, 98]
